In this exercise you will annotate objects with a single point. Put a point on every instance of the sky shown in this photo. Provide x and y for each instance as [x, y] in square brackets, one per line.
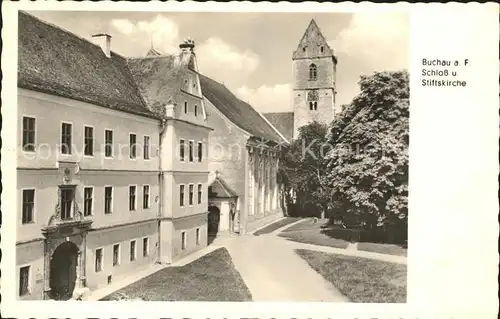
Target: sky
[251, 53]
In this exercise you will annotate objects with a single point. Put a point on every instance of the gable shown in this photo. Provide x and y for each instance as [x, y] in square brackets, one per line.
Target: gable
[219, 189]
[312, 44]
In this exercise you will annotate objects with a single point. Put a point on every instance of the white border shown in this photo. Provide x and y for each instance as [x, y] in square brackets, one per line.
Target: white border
[441, 253]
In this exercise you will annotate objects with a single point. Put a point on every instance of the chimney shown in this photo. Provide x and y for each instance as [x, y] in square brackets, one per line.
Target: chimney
[187, 45]
[104, 41]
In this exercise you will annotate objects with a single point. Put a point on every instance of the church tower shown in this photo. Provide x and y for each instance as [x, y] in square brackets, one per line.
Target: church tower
[314, 73]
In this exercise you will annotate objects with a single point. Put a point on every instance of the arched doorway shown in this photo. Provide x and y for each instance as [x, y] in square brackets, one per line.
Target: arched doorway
[213, 220]
[63, 271]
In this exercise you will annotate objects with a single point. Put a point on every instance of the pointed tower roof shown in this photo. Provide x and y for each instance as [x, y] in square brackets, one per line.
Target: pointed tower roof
[313, 44]
[153, 52]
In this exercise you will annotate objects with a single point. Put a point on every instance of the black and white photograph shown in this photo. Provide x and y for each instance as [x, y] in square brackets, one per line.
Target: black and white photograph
[217, 156]
[163, 159]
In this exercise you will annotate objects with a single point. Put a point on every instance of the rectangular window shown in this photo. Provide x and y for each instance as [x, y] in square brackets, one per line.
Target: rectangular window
[28, 134]
[183, 240]
[24, 280]
[196, 110]
[146, 147]
[145, 247]
[88, 141]
[181, 193]
[88, 193]
[108, 143]
[200, 151]
[181, 150]
[66, 138]
[67, 197]
[191, 151]
[185, 107]
[133, 252]
[28, 206]
[145, 196]
[116, 254]
[108, 200]
[132, 146]
[198, 236]
[191, 194]
[98, 260]
[199, 193]
[131, 197]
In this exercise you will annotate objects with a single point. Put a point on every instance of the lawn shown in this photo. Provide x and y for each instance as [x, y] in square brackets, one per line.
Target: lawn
[360, 279]
[389, 249]
[272, 227]
[314, 238]
[308, 224]
[210, 278]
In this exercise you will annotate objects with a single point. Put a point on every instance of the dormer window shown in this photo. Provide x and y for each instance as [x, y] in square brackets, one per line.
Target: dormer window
[313, 72]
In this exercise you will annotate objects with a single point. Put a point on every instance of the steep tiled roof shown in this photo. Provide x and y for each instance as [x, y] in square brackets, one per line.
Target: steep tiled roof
[283, 122]
[240, 113]
[159, 78]
[55, 61]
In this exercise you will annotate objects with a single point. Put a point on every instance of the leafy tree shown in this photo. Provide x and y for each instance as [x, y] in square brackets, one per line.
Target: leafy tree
[368, 166]
[304, 167]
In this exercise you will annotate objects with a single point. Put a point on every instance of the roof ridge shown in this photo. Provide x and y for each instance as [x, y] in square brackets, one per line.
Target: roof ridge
[277, 112]
[150, 57]
[65, 31]
[274, 128]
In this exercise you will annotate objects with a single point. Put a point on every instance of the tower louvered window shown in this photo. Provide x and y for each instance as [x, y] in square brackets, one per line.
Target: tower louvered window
[313, 72]
[312, 98]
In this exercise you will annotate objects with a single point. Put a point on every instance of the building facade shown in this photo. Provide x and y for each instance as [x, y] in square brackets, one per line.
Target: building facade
[244, 158]
[111, 176]
[314, 84]
[171, 85]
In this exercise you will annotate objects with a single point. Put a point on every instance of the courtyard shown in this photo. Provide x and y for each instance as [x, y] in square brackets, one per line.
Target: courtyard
[269, 267]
